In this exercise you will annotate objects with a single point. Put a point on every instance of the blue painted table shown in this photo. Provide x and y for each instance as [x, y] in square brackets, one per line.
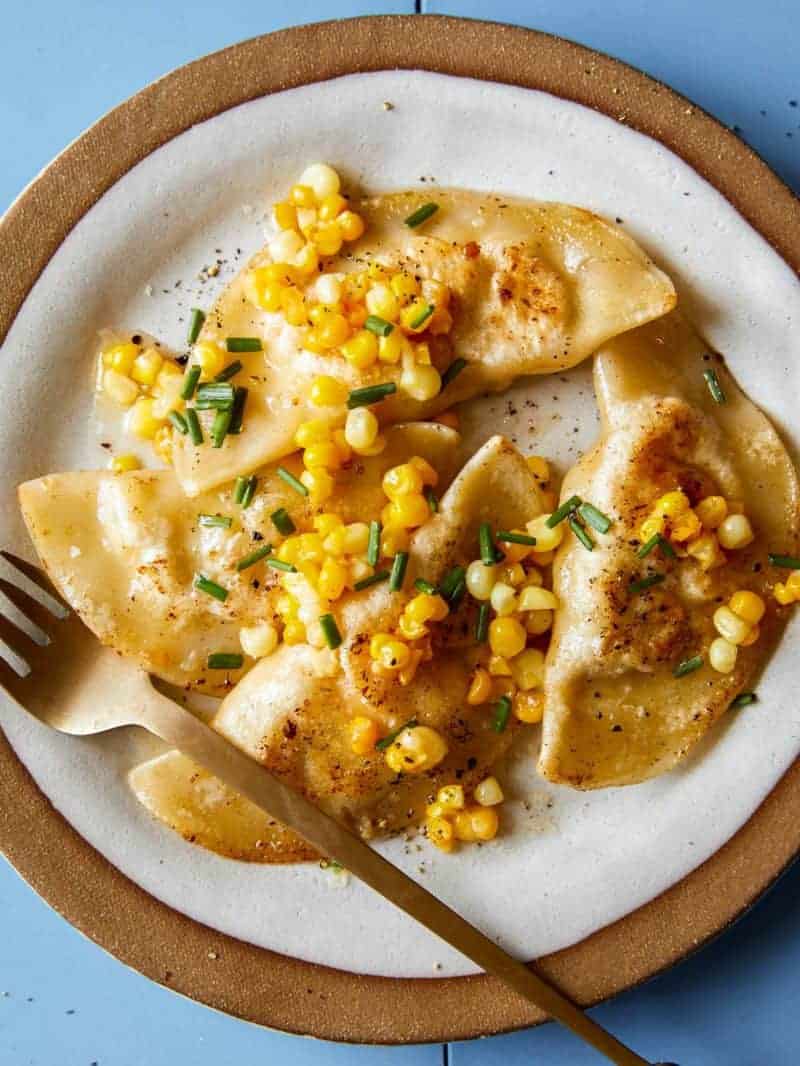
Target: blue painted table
[64, 1001]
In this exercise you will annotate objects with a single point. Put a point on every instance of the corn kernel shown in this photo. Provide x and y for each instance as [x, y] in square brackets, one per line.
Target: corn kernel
[361, 351]
[324, 454]
[293, 305]
[322, 179]
[402, 480]
[382, 301]
[394, 541]
[162, 443]
[356, 538]
[488, 793]
[436, 292]
[302, 195]
[361, 428]
[351, 225]
[441, 834]
[476, 823]
[259, 640]
[481, 579]
[391, 654]
[412, 313]
[331, 207]
[450, 798]
[294, 632]
[537, 599]
[263, 291]
[364, 735]
[538, 622]
[209, 357]
[319, 483]
[783, 594]
[359, 569]
[503, 598]
[480, 688]
[328, 238]
[546, 538]
[121, 464]
[291, 549]
[146, 366]
[429, 475]
[527, 669]
[514, 553]
[539, 467]
[685, 527]
[121, 357]
[711, 511]
[730, 626]
[345, 451]
[747, 605]
[751, 637]
[409, 511]
[377, 446]
[513, 575]
[651, 526]
[421, 383]
[307, 223]
[312, 432]
[735, 532]
[327, 391]
[529, 706]
[119, 388]
[141, 421]
[285, 246]
[285, 215]
[391, 348]
[499, 667]
[507, 637]
[793, 583]
[415, 750]
[333, 331]
[426, 608]
[722, 655]
[332, 579]
[672, 504]
[706, 550]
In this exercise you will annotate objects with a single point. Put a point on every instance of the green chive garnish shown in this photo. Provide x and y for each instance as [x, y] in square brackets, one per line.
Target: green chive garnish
[786, 562]
[379, 326]
[390, 738]
[292, 481]
[249, 491]
[488, 550]
[581, 534]
[178, 421]
[688, 666]
[210, 587]
[229, 371]
[425, 586]
[221, 520]
[190, 379]
[330, 630]
[398, 574]
[373, 579]
[196, 320]
[432, 498]
[195, 429]
[482, 624]
[281, 564]
[449, 584]
[645, 583]
[254, 557]
[422, 317]
[219, 427]
[514, 538]
[282, 521]
[243, 344]
[452, 371]
[564, 511]
[714, 386]
[374, 544]
[502, 712]
[370, 394]
[656, 541]
[214, 396]
[596, 519]
[223, 660]
[422, 214]
[744, 699]
[239, 487]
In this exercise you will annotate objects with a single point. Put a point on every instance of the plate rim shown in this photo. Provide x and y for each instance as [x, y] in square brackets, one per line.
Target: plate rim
[179, 952]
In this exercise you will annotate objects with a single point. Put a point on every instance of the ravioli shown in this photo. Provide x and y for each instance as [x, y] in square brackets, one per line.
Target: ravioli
[292, 710]
[536, 288]
[123, 550]
[615, 712]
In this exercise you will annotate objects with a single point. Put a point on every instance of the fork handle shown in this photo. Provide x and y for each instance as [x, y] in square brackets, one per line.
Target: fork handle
[179, 728]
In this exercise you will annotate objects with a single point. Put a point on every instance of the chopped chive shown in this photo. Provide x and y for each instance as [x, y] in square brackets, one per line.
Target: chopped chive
[178, 421]
[190, 379]
[210, 587]
[219, 427]
[229, 371]
[373, 579]
[448, 586]
[370, 394]
[240, 394]
[330, 630]
[390, 738]
[581, 534]
[656, 541]
[398, 574]
[281, 564]
[214, 395]
[744, 699]
[195, 429]
[239, 487]
[254, 557]
[432, 498]
[714, 386]
[223, 660]
[374, 543]
[243, 344]
[452, 371]
[249, 491]
[425, 586]
[688, 666]
[282, 521]
[422, 317]
[596, 519]
[482, 624]
[564, 511]
[292, 481]
[502, 713]
[221, 520]
[514, 538]
[666, 547]
[645, 583]
[379, 326]
[422, 214]
[458, 593]
[196, 320]
[786, 562]
[489, 554]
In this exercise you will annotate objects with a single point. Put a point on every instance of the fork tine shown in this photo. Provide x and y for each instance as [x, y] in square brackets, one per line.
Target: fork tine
[15, 639]
[35, 612]
[34, 574]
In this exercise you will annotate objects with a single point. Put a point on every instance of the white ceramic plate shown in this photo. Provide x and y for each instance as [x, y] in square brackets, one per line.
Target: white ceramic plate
[572, 862]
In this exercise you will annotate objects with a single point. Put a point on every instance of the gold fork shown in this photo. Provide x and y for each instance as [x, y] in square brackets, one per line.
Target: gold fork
[79, 687]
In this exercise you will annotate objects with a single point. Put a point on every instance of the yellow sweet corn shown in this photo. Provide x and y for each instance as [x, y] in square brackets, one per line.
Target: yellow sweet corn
[480, 688]
[415, 750]
[364, 734]
[121, 464]
[507, 637]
